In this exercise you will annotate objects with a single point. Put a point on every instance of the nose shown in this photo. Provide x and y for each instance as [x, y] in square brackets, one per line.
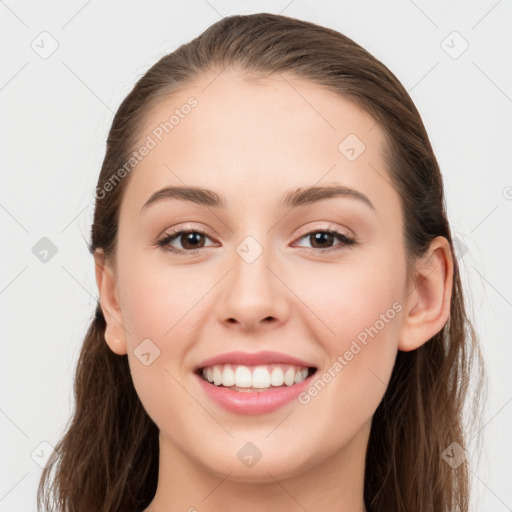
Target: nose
[254, 296]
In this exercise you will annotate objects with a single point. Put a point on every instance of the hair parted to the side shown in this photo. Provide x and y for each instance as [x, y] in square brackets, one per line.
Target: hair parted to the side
[107, 459]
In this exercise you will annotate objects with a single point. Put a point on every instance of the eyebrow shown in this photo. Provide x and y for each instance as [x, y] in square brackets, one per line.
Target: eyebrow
[292, 199]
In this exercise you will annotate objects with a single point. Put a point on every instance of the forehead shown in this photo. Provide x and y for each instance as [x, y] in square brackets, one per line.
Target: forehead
[253, 140]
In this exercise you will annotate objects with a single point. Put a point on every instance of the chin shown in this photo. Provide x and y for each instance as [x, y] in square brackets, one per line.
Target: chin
[266, 469]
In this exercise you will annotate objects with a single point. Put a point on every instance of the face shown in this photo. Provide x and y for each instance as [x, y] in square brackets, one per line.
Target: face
[320, 277]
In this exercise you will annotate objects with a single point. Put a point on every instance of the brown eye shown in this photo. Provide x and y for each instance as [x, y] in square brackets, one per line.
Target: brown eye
[321, 240]
[191, 241]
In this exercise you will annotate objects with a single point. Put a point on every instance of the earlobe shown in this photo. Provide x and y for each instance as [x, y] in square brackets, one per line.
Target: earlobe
[115, 335]
[428, 301]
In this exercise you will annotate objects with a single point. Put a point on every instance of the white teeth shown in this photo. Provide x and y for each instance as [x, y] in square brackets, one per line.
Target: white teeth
[243, 377]
[277, 377]
[217, 376]
[258, 377]
[228, 376]
[289, 377]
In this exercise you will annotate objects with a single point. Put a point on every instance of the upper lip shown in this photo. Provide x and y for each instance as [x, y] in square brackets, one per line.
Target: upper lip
[253, 359]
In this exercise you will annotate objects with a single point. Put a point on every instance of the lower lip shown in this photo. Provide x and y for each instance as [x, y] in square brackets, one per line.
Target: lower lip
[252, 403]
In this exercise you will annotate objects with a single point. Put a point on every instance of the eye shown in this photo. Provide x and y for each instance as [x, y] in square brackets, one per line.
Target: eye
[323, 237]
[192, 241]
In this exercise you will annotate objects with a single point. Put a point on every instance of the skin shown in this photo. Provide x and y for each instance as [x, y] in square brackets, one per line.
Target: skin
[252, 143]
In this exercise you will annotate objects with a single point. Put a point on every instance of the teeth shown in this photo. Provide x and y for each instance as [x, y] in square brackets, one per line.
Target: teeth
[228, 376]
[243, 377]
[258, 377]
[277, 377]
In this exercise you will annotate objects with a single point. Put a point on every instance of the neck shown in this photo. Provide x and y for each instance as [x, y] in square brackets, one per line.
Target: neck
[334, 484]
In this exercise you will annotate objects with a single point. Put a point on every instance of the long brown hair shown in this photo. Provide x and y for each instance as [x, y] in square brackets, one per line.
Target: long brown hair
[108, 457]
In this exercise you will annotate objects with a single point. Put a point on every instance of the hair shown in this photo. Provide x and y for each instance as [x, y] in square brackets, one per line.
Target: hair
[108, 458]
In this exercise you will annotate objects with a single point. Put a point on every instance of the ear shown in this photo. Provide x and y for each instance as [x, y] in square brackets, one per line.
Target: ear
[115, 334]
[427, 307]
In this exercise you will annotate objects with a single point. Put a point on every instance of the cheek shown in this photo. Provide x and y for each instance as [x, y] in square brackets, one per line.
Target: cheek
[358, 311]
[360, 314]
[347, 299]
[159, 305]
[157, 302]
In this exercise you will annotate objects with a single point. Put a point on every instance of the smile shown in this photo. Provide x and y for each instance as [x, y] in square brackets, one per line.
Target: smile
[255, 378]
[256, 390]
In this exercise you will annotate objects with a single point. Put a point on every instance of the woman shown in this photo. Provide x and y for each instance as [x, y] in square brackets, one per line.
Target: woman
[281, 322]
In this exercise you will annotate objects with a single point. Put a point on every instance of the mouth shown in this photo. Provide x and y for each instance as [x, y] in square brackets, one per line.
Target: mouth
[256, 378]
[254, 390]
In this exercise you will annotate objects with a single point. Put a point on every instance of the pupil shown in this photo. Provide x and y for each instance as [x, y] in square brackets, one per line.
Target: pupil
[190, 238]
[321, 235]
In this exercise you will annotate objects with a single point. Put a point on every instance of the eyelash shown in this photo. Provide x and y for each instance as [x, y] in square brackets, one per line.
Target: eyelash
[345, 239]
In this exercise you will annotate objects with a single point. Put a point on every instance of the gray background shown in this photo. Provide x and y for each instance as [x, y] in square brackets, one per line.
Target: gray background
[56, 109]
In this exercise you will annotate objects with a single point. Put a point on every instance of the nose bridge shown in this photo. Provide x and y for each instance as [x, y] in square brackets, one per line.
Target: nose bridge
[253, 294]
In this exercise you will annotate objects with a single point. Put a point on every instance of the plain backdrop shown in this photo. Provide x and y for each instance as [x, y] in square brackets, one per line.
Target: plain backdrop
[65, 68]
